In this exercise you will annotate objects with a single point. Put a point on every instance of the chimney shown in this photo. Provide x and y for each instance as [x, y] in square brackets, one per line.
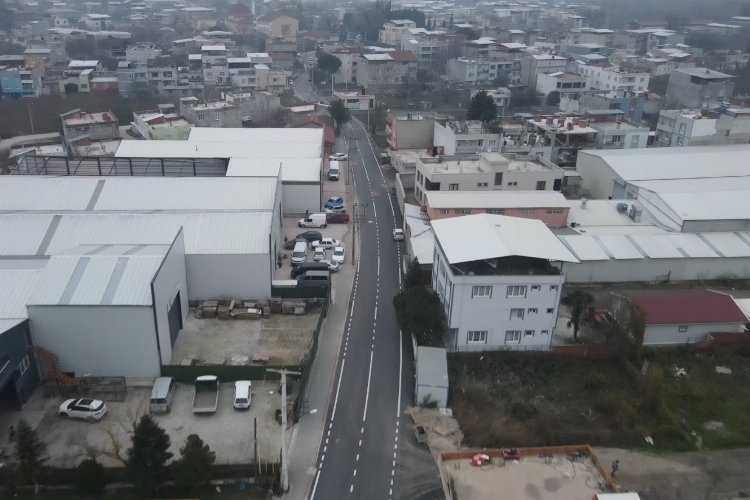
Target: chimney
[549, 120]
[570, 126]
[584, 202]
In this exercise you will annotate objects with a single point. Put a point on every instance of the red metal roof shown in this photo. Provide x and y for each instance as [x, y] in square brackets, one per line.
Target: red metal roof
[402, 56]
[688, 307]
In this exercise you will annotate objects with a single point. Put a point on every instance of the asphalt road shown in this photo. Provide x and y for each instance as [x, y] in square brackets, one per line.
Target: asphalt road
[365, 430]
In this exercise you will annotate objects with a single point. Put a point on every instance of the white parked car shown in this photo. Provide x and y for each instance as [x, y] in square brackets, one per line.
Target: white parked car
[242, 394]
[398, 234]
[320, 254]
[338, 157]
[333, 267]
[327, 243]
[84, 408]
[338, 255]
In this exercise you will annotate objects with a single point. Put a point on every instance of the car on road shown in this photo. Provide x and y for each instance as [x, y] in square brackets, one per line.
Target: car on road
[242, 394]
[338, 255]
[327, 243]
[319, 254]
[337, 217]
[398, 234]
[309, 236]
[84, 408]
[332, 266]
[338, 157]
[334, 204]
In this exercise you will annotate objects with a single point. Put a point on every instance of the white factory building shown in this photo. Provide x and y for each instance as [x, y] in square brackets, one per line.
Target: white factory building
[295, 153]
[500, 281]
[103, 268]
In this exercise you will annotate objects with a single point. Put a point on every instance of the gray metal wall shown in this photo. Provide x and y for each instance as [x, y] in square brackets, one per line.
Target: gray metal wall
[169, 280]
[229, 276]
[14, 343]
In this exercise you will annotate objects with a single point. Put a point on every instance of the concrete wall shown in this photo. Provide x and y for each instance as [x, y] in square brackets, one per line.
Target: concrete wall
[596, 176]
[551, 219]
[432, 393]
[444, 136]
[15, 343]
[170, 279]
[664, 335]
[411, 133]
[99, 340]
[229, 276]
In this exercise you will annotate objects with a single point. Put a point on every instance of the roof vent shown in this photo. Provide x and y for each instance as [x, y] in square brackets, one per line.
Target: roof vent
[584, 202]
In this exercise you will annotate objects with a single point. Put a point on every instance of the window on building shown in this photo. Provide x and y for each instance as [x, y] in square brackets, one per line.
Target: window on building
[528, 333]
[516, 291]
[535, 288]
[201, 116]
[550, 310]
[682, 128]
[461, 211]
[476, 337]
[526, 211]
[217, 117]
[516, 313]
[635, 141]
[512, 184]
[496, 211]
[498, 178]
[452, 187]
[24, 364]
[533, 310]
[541, 185]
[683, 328]
[553, 287]
[680, 141]
[481, 291]
[545, 332]
[554, 210]
[445, 210]
[513, 336]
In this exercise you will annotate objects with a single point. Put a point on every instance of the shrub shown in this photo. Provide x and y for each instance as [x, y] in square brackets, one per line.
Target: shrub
[90, 478]
[595, 381]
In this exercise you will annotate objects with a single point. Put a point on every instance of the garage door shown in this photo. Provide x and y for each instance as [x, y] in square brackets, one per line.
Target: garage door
[175, 318]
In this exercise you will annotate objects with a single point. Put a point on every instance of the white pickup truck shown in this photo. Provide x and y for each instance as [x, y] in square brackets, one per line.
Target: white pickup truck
[206, 397]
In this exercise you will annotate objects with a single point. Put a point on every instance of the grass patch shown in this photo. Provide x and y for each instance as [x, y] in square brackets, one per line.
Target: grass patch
[506, 399]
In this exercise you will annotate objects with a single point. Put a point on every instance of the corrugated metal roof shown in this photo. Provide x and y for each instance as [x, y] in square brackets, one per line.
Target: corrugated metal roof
[728, 244]
[7, 324]
[495, 199]
[205, 233]
[99, 279]
[483, 236]
[618, 246]
[688, 307]
[586, 248]
[292, 169]
[16, 286]
[257, 135]
[655, 246]
[189, 149]
[133, 194]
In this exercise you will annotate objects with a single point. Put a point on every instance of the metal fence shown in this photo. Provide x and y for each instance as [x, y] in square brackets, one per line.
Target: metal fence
[300, 403]
[505, 347]
[110, 166]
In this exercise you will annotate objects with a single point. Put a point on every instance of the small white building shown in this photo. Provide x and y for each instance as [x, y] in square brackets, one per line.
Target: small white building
[464, 137]
[97, 22]
[393, 30]
[606, 77]
[499, 280]
[560, 82]
[356, 100]
[679, 317]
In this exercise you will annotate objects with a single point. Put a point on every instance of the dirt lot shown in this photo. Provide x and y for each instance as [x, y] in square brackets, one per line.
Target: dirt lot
[502, 399]
[228, 432]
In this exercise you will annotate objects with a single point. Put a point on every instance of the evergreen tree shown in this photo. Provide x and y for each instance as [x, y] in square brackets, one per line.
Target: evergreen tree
[29, 454]
[193, 469]
[147, 458]
[482, 107]
[339, 113]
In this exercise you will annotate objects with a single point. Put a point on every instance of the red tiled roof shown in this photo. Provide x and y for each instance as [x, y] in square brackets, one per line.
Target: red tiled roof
[688, 307]
[402, 56]
[328, 133]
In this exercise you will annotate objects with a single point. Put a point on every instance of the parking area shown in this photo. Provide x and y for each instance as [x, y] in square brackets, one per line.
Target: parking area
[280, 339]
[228, 432]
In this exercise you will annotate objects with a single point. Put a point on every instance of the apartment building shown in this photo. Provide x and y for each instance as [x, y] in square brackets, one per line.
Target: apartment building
[680, 128]
[550, 207]
[499, 280]
[601, 36]
[535, 64]
[699, 88]
[16, 83]
[214, 64]
[485, 172]
[279, 27]
[609, 77]
[464, 137]
[349, 58]
[560, 82]
[425, 46]
[477, 72]
[97, 22]
[164, 124]
[237, 109]
[410, 131]
[393, 30]
[78, 124]
[387, 69]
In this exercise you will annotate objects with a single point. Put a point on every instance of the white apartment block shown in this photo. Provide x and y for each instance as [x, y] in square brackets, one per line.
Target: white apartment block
[613, 78]
[485, 172]
[499, 280]
[464, 137]
[534, 65]
[393, 30]
[561, 82]
[214, 63]
[477, 72]
[679, 128]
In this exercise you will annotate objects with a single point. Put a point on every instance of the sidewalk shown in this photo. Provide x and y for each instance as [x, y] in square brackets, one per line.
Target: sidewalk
[306, 435]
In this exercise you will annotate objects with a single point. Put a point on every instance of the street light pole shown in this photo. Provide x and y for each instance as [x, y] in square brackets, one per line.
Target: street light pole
[31, 119]
[284, 461]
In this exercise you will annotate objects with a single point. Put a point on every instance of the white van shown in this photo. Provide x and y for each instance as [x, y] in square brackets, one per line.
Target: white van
[299, 254]
[162, 394]
[242, 394]
[334, 170]
[313, 220]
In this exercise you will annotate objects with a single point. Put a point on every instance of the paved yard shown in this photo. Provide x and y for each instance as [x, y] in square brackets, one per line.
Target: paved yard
[228, 432]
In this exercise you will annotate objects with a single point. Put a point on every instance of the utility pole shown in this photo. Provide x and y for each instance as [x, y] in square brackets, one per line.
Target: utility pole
[284, 461]
[31, 119]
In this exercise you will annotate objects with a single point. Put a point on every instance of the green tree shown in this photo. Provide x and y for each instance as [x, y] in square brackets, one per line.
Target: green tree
[339, 113]
[581, 308]
[482, 107]
[29, 454]
[147, 457]
[502, 80]
[470, 33]
[70, 88]
[90, 478]
[328, 63]
[193, 469]
[553, 98]
[413, 276]
[521, 98]
[418, 310]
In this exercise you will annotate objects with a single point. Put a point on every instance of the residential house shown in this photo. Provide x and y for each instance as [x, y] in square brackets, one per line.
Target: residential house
[680, 317]
[214, 63]
[609, 77]
[97, 22]
[16, 83]
[80, 125]
[499, 280]
[501, 96]
[550, 207]
[464, 137]
[237, 109]
[535, 64]
[164, 124]
[613, 131]
[78, 76]
[477, 72]
[698, 88]
[426, 46]
[386, 70]
[279, 26]
[600, 36]
[699, 127]
[393, 30]
[485, 172]
[559, 138]
[358, 101]
[410, 131]
[560, 82]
